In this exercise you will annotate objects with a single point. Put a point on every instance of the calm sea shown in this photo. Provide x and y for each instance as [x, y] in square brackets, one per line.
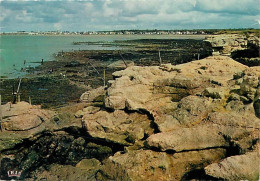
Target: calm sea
[14, 50]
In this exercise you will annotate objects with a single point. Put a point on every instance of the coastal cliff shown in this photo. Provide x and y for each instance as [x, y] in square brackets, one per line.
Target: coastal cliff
[198, 120]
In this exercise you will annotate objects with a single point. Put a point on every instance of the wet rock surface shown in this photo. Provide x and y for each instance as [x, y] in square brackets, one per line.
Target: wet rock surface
[168, 122]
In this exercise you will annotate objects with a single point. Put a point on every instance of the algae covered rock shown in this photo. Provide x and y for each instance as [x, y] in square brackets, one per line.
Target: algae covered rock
[58, 172]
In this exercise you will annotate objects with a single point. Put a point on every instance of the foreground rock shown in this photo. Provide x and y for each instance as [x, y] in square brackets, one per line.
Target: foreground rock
[118, 126]
[23, 116]
[203, 108]
[86, 169]
[157, 123]
[150, 165]
[245, 167]
[21, 121]
[185, 139]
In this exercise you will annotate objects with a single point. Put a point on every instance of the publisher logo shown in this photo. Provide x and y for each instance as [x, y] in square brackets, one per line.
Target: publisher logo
[14, 173]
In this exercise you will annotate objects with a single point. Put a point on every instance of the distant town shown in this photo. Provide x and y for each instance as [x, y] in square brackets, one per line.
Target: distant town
[117, 32]
[132, 32]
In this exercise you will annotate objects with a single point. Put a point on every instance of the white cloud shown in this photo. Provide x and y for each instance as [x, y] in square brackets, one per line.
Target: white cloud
[57, 26]
[128, 14]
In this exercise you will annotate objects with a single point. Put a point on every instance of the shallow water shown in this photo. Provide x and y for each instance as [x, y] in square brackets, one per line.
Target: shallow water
[21, 51]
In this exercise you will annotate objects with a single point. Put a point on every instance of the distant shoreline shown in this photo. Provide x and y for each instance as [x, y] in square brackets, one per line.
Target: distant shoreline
[146, 36]
[194, 35]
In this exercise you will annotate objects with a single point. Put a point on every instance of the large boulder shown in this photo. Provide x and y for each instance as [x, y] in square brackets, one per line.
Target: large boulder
[23, 116]
[185, 139]
[150, 165]
[118, 126]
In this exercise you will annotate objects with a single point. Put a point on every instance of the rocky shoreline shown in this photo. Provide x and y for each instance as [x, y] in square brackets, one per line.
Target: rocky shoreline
[60, 82]
[197, 120]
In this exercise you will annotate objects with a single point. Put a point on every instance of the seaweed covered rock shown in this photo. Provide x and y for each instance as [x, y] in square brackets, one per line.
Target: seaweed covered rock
[58, 172]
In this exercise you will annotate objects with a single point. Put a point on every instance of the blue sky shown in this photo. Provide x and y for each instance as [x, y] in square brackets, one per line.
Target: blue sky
[92, 15]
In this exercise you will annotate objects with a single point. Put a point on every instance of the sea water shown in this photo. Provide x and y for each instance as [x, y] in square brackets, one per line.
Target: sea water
[21, 51]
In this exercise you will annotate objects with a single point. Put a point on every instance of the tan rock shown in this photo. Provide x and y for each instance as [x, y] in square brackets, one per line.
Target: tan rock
[23, 116]
[117, 126]
[185, 139]
[240, 167]
[216, 93]
[90, 96]
[191, 110]
[87, 110]
[89, 164]
[149, 165]
[234, 119]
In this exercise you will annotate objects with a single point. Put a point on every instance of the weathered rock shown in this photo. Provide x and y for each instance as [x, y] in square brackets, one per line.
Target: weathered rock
[191, 110]
[89, 164]
[257, 107]
[90, 96]
[23, 116]
[140, 87]
[22, 121]
[149, 165]
[249, 86]
[224, 44]
[240, 167]
[185, 139]
[216, 93]
[117, 126]
[87, 110]
[192, 114]
[234, 119]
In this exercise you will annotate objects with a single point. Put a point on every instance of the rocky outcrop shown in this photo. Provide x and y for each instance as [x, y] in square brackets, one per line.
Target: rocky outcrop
[156, 123]
[242, 48]
[202, 108]
[224, 44]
